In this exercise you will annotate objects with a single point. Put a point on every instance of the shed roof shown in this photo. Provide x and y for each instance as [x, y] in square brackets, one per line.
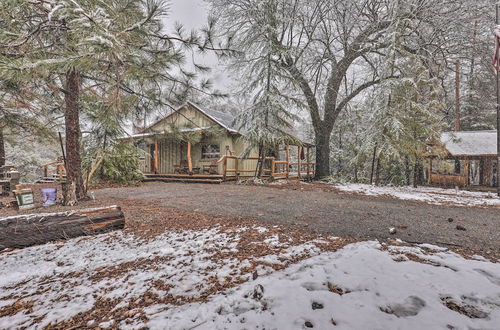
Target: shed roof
[470, 143]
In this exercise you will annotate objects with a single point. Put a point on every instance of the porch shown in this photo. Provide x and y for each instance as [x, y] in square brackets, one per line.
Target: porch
[179, 161]
[474, 173]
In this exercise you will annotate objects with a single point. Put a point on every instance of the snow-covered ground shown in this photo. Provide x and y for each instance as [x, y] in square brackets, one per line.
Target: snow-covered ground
[426, 194]
[50, 283]
[359, 287]
[193, 280]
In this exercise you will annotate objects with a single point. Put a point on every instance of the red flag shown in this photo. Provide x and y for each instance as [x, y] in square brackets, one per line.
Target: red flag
[496, 59]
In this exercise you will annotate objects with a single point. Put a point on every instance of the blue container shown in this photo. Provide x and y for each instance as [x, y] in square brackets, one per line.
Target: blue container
[49, 196]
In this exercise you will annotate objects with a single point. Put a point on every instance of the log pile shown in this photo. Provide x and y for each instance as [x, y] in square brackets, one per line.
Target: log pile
[32, 229]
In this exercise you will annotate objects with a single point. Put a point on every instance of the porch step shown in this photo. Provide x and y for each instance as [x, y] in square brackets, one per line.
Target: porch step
[186, 180]
[184, 176]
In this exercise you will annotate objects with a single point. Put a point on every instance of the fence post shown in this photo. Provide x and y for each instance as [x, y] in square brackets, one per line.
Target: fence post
[287, 152]
[236, 161]
[224, 168]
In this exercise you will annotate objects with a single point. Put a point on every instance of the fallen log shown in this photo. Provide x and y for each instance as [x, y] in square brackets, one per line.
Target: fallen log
[31, 229]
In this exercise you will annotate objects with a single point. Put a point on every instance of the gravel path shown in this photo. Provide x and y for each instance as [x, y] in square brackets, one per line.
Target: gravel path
[341, 214]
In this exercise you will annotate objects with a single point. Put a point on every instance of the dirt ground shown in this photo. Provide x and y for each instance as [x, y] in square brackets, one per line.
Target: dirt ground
[314, 208]
[322, 209]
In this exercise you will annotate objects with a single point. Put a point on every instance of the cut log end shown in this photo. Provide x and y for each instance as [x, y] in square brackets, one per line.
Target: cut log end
[33, 229]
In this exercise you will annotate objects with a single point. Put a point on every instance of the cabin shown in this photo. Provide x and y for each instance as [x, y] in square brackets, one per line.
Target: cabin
[469, 160]
[202, 145]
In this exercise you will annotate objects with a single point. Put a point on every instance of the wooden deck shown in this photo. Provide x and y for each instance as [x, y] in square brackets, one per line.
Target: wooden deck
[194, 178]
[233, 169]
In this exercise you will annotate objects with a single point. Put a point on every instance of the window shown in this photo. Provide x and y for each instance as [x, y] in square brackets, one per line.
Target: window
[209, 151]
[448, 167]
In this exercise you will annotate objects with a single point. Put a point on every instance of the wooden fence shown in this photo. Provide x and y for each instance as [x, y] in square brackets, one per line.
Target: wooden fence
[235, 167]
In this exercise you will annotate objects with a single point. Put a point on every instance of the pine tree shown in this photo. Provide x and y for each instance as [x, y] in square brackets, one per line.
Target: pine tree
[267, 120]
[73, 55]
[407, 117]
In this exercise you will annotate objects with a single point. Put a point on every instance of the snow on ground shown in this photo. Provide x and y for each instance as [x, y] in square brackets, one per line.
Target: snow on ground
[178, 280]
[430, 195]
[362, 286]
[130, 278]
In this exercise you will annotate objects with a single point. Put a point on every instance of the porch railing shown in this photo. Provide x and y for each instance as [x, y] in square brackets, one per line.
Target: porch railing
[233, 166]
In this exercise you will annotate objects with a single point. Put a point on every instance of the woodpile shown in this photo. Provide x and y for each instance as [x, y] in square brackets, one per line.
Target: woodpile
[32, 229]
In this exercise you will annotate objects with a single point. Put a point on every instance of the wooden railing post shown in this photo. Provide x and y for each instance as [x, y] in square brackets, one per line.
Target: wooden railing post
[60, 170]
[224, 168]
[156, 158]
[287, 153]
[308, 160]
[236, 168]
[189, 159]
[298, 160]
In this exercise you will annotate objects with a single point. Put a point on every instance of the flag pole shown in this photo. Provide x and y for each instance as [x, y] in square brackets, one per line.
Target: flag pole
[498, 103]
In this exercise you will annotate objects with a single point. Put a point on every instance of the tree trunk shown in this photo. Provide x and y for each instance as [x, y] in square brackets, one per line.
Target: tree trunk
[31, 229]
[72, 121]
[377, 172]
[415, 174]
[373, 163]
[322, 155]
[407, 171]
[262, 158]
[2, 148]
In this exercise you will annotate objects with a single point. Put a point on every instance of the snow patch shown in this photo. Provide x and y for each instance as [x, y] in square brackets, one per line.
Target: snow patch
[431, 195]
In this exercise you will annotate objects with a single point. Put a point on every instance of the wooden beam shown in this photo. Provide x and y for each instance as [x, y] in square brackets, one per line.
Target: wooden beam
[236, 167]
[156, 157]
[32, 229]
[287, 153]
[224, 168]
[189, 159]
[308, 160]
[298, 159]
[429, 181]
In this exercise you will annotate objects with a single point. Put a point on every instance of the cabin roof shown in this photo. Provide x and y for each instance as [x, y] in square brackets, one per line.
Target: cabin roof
[470, 143]
[225, 120]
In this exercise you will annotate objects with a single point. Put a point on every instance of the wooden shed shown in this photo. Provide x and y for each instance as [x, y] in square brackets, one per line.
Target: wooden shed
[197, 144]
[470, 160]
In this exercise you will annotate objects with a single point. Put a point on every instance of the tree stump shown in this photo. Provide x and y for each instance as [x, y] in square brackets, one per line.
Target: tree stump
[32, 229]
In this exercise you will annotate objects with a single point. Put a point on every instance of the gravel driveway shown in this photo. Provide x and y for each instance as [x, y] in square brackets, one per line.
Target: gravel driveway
[341, 214]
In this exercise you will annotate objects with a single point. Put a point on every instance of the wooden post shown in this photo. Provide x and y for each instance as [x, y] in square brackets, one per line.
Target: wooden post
[298, 160]
[224, 168]
[457, 96]
[156, 158]
[308, 160]
[429, 181]
[466, 171]
[189, 159]
[287, 153]
[236, 168]
[60, 170]
[497, 20]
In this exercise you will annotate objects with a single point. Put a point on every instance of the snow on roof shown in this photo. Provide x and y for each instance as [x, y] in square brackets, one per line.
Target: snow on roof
[470, 143]
[149, 134]
[226, 120]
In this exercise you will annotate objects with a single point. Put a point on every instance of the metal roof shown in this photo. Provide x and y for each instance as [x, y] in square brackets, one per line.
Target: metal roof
[470, 143]
[226, 120]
